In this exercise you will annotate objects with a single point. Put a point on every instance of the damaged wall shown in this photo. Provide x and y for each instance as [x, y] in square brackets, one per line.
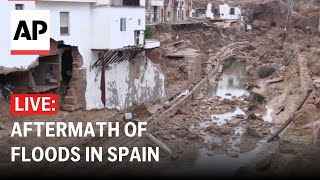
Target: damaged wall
[133, 82]
[230, 13]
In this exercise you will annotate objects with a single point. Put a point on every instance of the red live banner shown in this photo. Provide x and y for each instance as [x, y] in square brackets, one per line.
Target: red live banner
[34, 104]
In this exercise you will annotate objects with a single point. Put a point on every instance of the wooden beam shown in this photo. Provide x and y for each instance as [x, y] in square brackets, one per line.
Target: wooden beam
[292, 116]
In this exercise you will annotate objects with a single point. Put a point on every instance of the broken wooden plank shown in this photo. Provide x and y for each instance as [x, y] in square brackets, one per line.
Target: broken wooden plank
[276, 80]
[280, 109]
[160, 144]
[292, 116]
[176, 43]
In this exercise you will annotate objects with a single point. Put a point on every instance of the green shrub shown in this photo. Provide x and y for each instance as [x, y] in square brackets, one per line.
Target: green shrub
[257, 98]
[148, 33]
[266, 71]
[252, 116]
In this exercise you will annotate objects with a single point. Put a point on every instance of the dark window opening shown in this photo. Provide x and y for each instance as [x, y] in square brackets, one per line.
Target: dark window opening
[232, 11]
[66, 66]
[19, 6]
[64, 23]
[131, 2]
[216, 11]
[123, 24]
[137, 37]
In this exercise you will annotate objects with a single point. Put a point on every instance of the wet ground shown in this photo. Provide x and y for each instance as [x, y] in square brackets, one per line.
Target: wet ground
[227, 143]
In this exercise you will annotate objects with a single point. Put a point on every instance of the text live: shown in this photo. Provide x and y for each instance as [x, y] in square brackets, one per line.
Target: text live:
[23, 104]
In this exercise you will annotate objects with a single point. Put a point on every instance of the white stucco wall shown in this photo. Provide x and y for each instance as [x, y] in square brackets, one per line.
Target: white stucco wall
[80, 36]
[117, 38]
[106, 26]
[128, 83]
[209, 13]
[6, 59]
[225, 12]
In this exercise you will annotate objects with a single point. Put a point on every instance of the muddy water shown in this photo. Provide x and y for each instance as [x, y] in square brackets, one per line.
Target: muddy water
[232, 83]
[210, 159]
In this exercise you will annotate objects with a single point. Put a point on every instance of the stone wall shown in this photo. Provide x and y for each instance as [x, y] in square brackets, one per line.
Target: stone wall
[75, 97]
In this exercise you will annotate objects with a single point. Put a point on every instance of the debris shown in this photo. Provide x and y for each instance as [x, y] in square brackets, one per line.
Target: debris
[280, 109]
[292, 116]
[265, 71]
[276, 80]
[318, 104]
[160, 144]
[2, 127]
[184, 93]
[128, 116]
[256, 97]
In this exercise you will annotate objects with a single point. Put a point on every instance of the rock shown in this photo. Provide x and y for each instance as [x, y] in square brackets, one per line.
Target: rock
[285, 147]
[2, 127]
[306, 115]
[318, 104]
[153, 108]
[71, 92]
[192, 136]
[240, 116]
[234, 122]
[256, 24]
[200, 96]
[72, 100]
[68, 107]
[253, 133]
[179, 133]
[128, 116]
[228, 102]
[225, 131]
[211, 128]
[228, 94]
[250, 86]
[233, 154]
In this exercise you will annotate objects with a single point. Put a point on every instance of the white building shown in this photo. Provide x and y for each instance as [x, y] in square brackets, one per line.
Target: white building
[209, 12]
[229, 13]
[221, 12]
[155, 11]
[110, 69]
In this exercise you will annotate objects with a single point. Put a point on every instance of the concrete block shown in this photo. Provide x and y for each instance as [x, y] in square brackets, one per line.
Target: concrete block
[68, 107]
[72, 100]
[128, 116]
[71, 92]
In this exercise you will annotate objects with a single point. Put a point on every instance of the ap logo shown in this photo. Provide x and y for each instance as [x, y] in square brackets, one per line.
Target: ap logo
[30, 32]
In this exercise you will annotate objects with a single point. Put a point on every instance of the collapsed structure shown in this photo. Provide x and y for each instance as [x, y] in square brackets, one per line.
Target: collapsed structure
[97, 55]
[217, 12]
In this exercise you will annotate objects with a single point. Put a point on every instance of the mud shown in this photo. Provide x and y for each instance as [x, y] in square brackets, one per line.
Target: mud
[223, 130]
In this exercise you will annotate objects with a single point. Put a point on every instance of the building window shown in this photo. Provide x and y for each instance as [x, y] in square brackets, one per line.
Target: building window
[139, 22]
[131, 2]
[137, 36]
[123, 24]
[64, 23]
[19, 6]
[232, 11]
